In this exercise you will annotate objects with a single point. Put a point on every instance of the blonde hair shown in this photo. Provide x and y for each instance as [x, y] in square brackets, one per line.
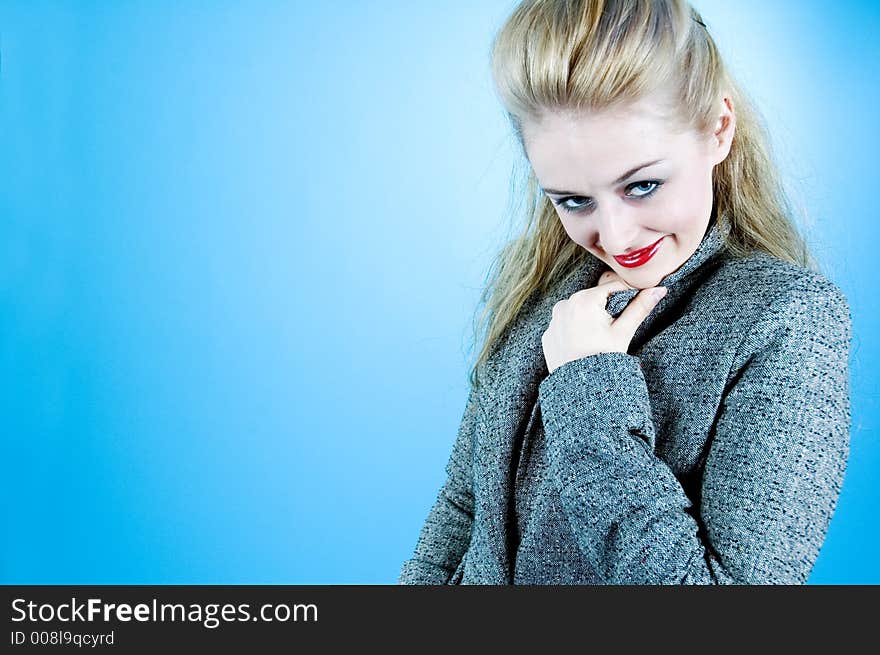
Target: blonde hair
[572, 55]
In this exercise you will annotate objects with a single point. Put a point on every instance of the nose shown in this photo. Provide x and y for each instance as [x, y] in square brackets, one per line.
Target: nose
[618, 232]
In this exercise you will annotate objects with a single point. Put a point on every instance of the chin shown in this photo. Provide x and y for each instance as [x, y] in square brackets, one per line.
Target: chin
[641, 284]
[645, 277]
[651, 274]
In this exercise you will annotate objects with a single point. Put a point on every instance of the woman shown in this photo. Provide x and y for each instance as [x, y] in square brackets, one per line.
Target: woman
[613, 435]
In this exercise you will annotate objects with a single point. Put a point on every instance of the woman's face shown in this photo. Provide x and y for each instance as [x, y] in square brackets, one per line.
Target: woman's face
[622, 181]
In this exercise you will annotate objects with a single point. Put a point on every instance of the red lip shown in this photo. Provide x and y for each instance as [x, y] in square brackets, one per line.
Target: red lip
[639, 257]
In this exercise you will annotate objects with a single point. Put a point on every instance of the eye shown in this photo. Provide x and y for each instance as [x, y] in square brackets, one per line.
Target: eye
[643, 189]
[577, 207]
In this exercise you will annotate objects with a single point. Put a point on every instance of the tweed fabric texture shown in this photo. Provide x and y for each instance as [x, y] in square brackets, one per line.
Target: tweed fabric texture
[712, 452]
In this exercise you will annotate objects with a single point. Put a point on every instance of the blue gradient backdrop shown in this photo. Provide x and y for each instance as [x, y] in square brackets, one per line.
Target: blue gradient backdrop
[240, 248]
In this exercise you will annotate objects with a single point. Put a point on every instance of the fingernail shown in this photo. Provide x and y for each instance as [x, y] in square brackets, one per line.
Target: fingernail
[658, 293]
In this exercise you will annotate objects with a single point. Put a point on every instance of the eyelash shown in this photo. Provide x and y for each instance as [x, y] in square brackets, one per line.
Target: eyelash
[576, 210]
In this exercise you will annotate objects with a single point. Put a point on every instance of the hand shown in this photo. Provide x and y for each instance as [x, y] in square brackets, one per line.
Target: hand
[581, 327]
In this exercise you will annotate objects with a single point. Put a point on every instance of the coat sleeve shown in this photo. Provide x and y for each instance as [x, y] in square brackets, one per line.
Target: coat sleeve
[446, 533]
[773, 471]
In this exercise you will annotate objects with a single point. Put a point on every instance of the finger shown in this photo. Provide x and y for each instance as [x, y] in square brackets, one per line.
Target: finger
[637, 311]
[612, 286]
[608, 276]
[600, 292]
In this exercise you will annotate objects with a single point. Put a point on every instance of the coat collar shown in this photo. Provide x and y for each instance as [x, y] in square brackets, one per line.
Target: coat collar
[520, 367]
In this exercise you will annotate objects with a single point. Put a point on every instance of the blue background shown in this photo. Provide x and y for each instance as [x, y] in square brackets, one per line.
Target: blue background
[240, 248]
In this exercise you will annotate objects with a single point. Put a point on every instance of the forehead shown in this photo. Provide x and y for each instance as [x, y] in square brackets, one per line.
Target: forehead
[567, 150]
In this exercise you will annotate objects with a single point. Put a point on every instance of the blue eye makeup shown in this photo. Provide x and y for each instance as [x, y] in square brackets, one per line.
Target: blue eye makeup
[636, 190]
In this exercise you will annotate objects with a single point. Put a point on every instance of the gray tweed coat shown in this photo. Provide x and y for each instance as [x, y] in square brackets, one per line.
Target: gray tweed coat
[712, 452]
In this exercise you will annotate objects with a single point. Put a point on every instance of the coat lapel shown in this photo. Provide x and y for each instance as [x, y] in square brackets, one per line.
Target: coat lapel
[514, 376]
[512, 393]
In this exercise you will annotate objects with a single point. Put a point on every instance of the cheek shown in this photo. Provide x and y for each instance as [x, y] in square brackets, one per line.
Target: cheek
[568, 224]
[577, 230]
[684, 209]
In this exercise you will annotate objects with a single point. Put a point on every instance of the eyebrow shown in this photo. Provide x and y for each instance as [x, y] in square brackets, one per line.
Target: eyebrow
[620, 179]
